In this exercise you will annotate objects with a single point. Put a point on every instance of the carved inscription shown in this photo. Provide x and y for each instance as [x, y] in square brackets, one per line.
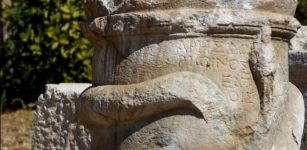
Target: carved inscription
[231, 68]
[228, 66]
[236, 79]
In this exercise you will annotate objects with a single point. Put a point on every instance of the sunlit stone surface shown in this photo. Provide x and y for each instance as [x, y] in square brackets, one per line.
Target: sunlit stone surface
[191, 74]
[56, 125]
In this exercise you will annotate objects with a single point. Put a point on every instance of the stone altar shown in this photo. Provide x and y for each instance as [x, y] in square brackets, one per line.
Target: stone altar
[191, 74]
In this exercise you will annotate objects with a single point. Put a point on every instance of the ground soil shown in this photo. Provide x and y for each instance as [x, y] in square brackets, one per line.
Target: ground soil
[16, 130]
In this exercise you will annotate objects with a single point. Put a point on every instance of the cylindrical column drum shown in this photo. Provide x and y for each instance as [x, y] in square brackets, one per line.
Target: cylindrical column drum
[191, 74]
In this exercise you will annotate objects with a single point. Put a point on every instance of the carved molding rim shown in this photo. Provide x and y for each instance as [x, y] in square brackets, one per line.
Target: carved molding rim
[192, 22]
[95, 8]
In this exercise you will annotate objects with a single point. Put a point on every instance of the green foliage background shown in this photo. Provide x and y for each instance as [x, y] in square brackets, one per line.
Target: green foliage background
[301, 12]
[45, 46]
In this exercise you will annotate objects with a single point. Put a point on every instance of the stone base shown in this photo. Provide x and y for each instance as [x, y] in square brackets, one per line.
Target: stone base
[55, 124]
[57, 127]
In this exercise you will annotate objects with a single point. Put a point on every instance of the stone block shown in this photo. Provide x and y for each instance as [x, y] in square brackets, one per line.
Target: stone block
[55, 123]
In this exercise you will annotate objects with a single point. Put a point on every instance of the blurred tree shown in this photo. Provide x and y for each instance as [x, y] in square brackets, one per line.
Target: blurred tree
[45, 46]
[301, 12]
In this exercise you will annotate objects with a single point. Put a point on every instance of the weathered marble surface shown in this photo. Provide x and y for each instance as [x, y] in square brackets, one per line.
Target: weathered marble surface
[298, 69]
[296, 61]
[55, 124]
[192, 74]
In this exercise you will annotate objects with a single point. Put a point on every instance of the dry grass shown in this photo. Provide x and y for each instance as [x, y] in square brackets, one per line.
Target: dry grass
[16, 130]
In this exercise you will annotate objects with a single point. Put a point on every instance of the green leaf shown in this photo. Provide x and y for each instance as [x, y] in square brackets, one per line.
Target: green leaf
[65, 27]
[24, 37]
[72, 33]
[54, 45]
[65, 9]
[76, 14]
[35, 47]
[66, 16]
[63, 53]
[37, 39]
[64, 41]
[50, 33]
